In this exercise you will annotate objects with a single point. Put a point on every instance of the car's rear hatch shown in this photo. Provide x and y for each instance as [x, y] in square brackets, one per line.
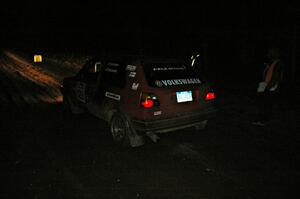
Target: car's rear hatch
[177, 89]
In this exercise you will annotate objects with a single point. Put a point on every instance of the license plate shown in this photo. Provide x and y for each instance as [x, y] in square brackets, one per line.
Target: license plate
[184, 96]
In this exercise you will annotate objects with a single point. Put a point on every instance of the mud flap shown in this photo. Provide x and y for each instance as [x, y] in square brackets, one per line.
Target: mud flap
[153, 136]
[135, 140]
[201, 125]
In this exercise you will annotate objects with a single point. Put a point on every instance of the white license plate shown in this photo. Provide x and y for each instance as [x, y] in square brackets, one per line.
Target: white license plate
[184, 96]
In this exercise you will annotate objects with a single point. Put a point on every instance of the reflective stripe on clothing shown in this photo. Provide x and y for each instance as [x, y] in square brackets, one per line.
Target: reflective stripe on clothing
[268, 72]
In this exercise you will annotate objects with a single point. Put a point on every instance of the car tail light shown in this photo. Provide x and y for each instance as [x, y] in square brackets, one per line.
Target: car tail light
[148, 103]
[210, 96]
[148, 100]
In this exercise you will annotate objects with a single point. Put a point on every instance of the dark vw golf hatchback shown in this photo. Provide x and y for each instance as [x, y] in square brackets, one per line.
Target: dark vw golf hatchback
[140, 96]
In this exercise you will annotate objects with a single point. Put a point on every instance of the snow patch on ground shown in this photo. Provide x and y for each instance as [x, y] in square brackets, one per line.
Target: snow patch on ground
[23, 81]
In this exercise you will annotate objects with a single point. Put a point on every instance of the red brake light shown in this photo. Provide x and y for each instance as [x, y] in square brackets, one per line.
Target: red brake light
[148, 100]
[148, 103]
[210, 96]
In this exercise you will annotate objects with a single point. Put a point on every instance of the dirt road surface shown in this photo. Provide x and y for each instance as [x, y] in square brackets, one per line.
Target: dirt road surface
[48, 153]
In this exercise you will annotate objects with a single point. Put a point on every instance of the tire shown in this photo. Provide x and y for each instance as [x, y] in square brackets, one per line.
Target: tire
[120, 130]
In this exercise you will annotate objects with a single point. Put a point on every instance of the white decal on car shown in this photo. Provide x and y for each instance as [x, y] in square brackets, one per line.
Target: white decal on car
[132, 74]
[158, 83]
[130, 67]
[112, 64]
[157, 113]
[80, 91]
[174, 82]
[111, 70]
[134, 86]
[169, 68]
[112, 96]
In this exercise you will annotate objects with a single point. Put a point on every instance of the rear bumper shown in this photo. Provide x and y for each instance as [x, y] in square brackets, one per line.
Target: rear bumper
[174, 123]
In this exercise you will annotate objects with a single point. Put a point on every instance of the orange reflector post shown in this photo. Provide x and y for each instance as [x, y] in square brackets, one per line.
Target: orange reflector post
[37, 58]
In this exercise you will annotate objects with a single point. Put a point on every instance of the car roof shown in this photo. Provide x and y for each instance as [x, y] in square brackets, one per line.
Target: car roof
[138, 58]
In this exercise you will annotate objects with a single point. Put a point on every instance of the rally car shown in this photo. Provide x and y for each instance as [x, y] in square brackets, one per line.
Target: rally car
[140, 96]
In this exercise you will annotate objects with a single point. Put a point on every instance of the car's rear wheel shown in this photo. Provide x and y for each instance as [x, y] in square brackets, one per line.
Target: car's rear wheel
[120, 130]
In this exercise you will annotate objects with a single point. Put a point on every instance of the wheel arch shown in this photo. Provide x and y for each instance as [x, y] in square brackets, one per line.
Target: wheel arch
[111, 113]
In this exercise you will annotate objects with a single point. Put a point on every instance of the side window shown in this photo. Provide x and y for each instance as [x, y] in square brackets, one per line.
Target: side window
[94, 67]
[91, 70]
[98, 66]
[114, 75]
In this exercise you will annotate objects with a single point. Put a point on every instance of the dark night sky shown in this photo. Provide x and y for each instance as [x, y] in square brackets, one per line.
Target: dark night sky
[126, 26]
[156, 18]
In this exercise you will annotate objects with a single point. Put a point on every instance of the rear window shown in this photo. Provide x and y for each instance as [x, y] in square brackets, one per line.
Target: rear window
[170, 74]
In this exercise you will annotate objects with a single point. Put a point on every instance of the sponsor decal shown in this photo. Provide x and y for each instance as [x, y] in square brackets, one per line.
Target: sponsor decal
[112, 96]
[112, 64]
[174, 82]
[111, 70]
[135, 86]
[157, 113]
[158, 83]
[168, 68]
[130, 67]
[132, 74]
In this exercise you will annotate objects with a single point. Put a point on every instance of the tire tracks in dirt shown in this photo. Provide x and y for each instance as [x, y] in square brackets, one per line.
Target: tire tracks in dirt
[186, 151]
[24, 82]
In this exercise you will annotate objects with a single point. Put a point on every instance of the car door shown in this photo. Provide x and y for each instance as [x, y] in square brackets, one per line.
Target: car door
[86, 82]
[111, 83]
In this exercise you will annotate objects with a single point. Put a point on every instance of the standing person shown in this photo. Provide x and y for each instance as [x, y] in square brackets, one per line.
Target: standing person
[269, 88]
